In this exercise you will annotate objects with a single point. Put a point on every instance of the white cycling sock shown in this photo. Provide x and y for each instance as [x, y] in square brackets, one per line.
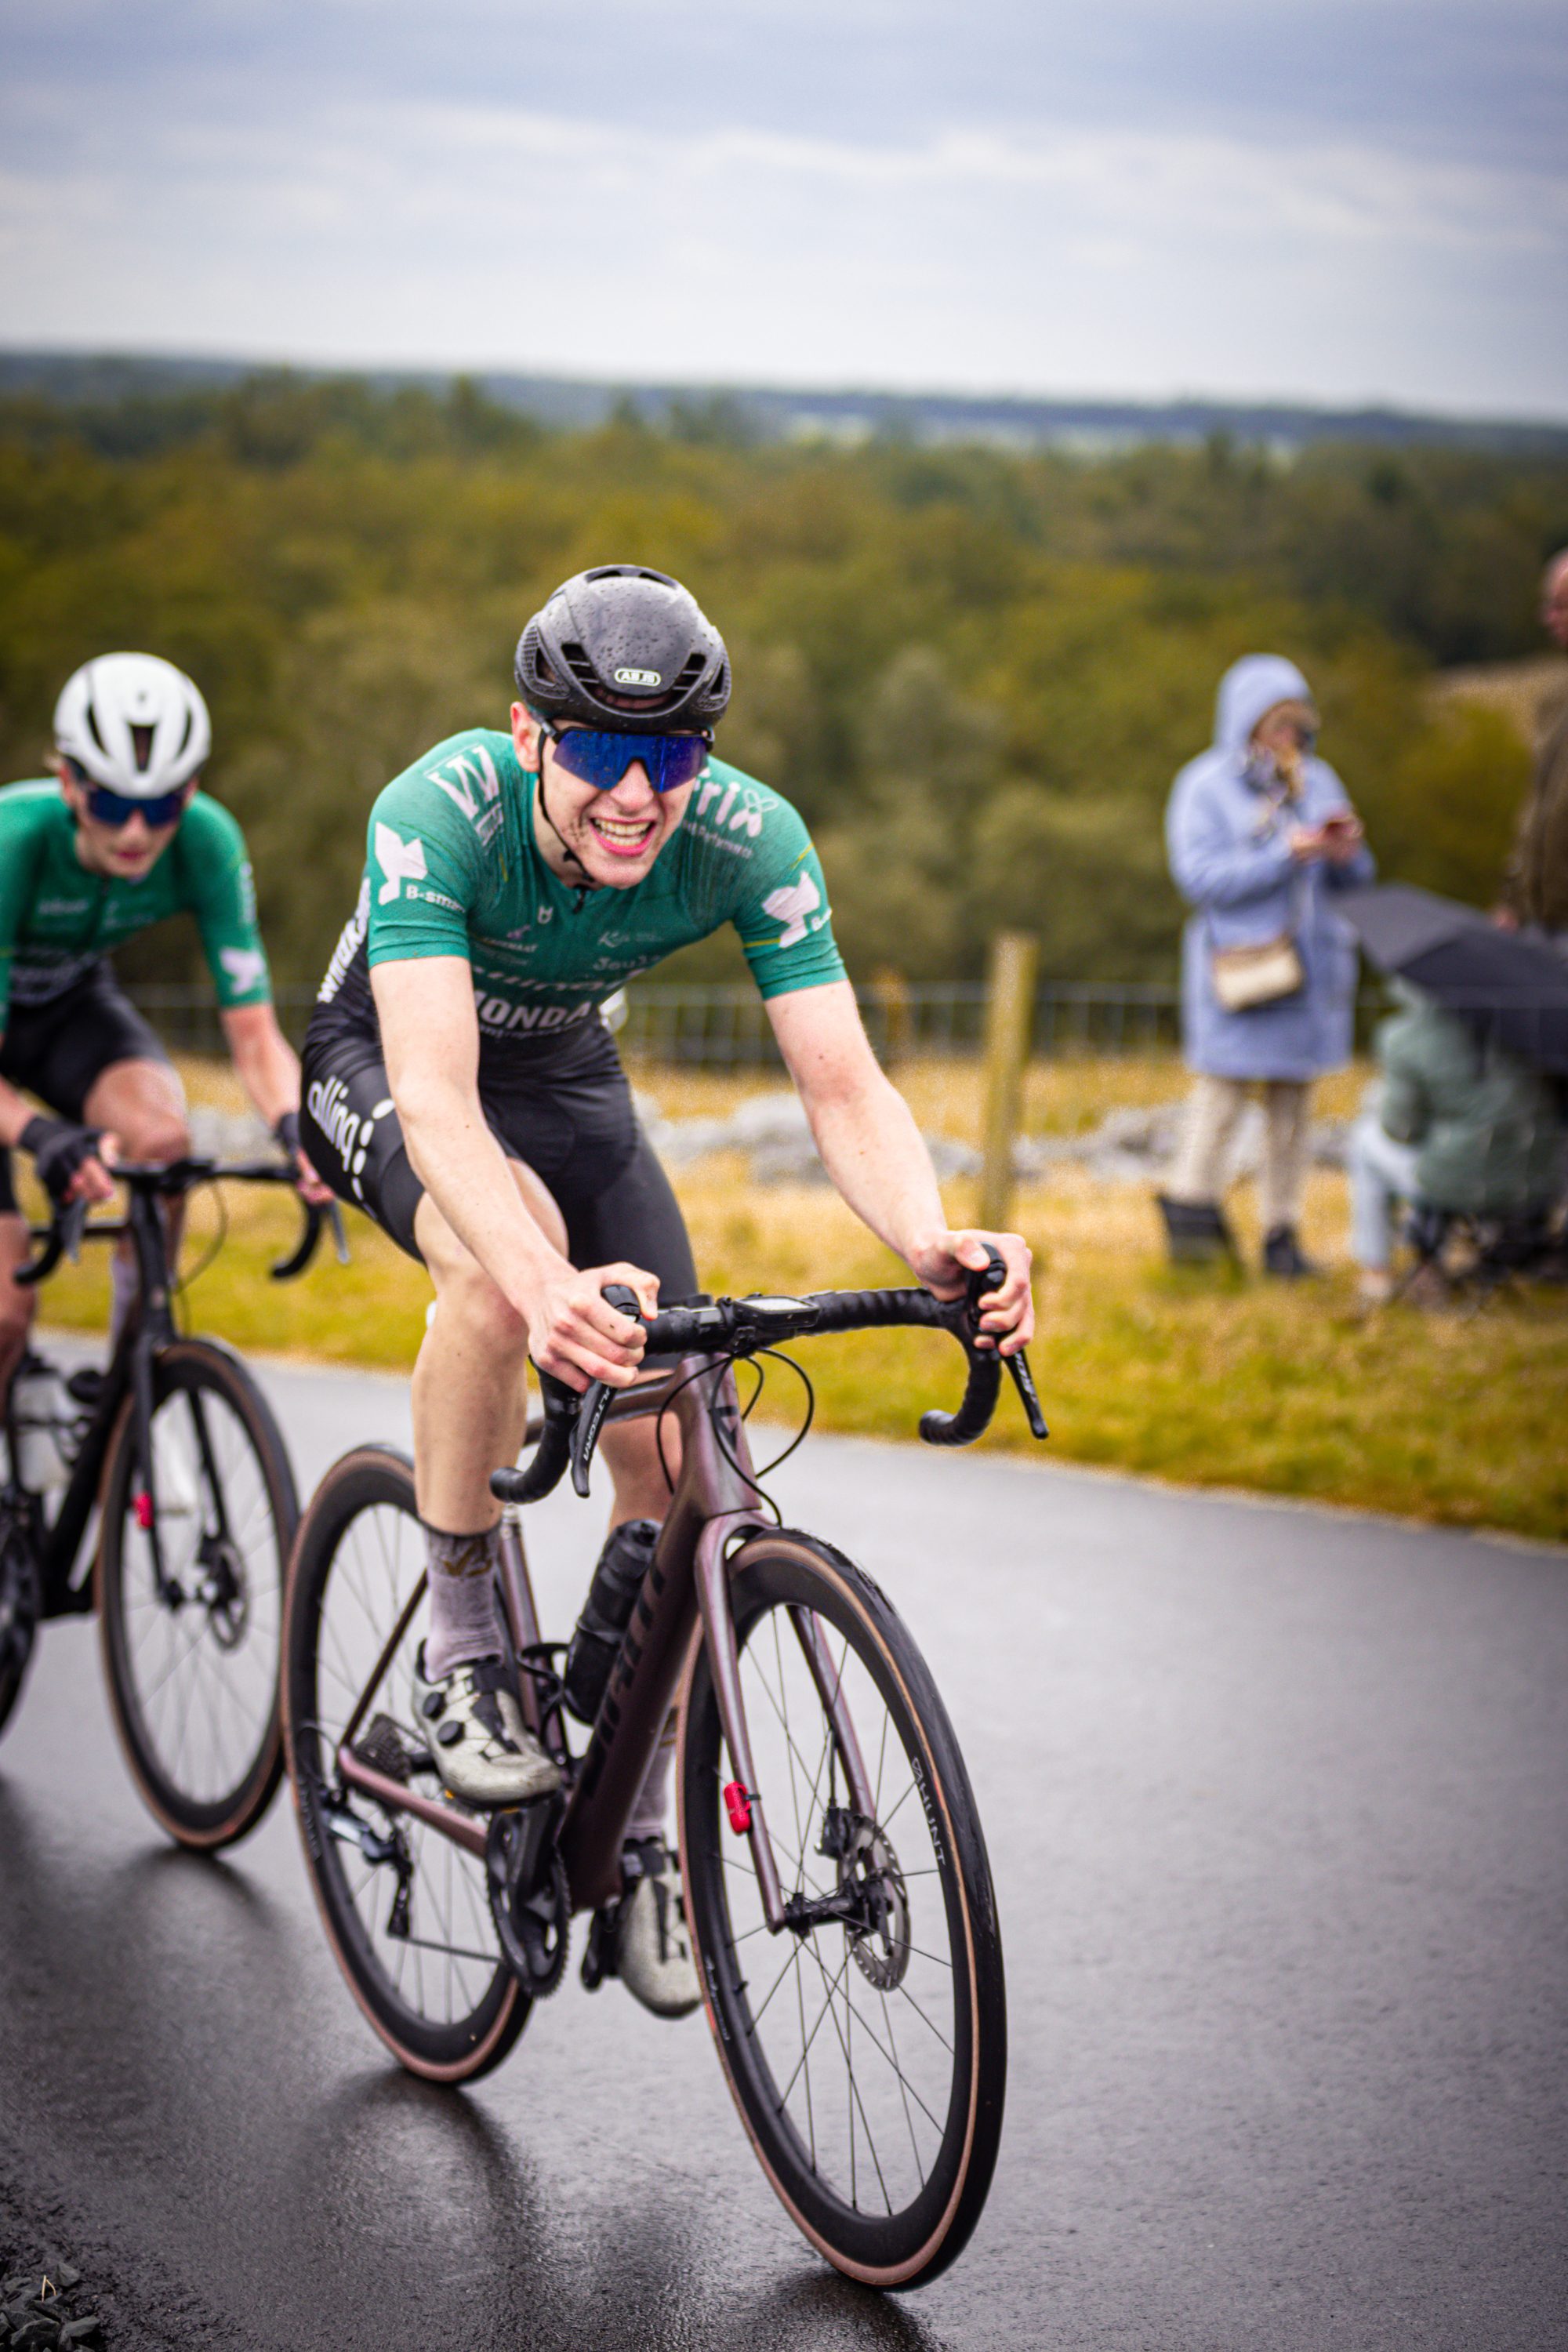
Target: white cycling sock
[465, 1622]
[647, 1814]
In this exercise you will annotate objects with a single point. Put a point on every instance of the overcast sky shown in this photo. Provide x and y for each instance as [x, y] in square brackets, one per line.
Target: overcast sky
[1355, 200]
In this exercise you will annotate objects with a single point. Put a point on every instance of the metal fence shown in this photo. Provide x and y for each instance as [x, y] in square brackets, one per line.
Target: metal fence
[725, 1027]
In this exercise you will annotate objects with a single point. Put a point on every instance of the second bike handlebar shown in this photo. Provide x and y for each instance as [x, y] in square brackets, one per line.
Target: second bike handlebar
[64, 1234]
[730, 1327]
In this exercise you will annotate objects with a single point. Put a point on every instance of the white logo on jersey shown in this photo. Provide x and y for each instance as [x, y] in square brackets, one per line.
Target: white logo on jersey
[400, 861]
[746, 816]
[349, 941]
[467, 769]
[247, 967]
[792, 904]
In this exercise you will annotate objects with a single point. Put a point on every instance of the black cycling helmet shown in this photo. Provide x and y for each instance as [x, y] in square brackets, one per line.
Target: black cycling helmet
[625, 649]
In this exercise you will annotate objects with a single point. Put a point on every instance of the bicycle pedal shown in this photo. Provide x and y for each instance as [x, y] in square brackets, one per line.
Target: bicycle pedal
[381, 1746]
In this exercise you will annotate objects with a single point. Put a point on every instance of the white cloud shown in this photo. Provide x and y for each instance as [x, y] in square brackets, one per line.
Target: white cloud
[1269, 255]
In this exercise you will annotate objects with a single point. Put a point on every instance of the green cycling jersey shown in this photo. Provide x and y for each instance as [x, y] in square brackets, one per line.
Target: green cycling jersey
[56, 919]
[454, 870]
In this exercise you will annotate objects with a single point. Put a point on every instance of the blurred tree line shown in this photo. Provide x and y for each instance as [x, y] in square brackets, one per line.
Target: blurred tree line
[975, 673]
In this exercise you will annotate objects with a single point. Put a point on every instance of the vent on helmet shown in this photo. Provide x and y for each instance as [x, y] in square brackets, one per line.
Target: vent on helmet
[575, 656]
[92, 730]
[141, 747]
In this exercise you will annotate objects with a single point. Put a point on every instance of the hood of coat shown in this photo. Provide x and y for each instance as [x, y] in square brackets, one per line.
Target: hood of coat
[1248, 689]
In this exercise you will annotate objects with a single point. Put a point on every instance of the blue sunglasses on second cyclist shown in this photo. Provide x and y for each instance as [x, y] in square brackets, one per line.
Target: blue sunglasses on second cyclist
[602, 758]
[115, 809]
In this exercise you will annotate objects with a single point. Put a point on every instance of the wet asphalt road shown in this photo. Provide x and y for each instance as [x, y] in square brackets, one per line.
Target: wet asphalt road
[1278, 1807]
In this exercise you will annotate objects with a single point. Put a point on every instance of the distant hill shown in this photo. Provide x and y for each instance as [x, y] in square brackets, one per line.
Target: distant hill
[764, 412]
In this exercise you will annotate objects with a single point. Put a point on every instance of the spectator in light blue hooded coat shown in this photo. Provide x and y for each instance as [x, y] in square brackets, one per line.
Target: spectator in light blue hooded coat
[1260, 834]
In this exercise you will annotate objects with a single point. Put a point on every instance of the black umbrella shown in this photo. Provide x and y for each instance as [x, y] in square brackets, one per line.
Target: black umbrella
[1513, 992]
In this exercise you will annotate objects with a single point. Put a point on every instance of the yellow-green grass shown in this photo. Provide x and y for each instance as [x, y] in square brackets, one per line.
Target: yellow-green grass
[1289, 1390]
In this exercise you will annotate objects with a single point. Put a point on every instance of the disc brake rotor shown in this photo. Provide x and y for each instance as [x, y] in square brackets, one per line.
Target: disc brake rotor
[223, 1591]
[882, 1950]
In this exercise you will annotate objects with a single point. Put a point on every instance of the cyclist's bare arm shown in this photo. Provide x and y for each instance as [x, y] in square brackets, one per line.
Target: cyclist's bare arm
[872, 1150]
[268, 1069]
[430, 1038]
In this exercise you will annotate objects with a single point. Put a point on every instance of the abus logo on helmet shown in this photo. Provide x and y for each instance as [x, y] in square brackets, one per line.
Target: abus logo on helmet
[638, 678]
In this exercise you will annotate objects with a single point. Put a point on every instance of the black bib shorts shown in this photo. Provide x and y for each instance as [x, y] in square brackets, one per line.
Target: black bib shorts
[58, 1049]
[561, 1105]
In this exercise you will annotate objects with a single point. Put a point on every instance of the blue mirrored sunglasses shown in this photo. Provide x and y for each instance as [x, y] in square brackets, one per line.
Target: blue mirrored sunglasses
[115, 809]
[602, 760]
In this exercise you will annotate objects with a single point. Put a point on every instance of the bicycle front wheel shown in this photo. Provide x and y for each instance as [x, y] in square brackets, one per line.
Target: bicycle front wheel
[406, 1909]
[866, 2043]
[192, 1667]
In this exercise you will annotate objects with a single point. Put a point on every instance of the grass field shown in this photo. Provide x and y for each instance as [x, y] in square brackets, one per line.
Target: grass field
[1290, 1390]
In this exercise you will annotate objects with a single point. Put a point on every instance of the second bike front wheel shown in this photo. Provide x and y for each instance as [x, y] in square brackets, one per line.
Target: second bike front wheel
[193, 1667]
[866, 2042]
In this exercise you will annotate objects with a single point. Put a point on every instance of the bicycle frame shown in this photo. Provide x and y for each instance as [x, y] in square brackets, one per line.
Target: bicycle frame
[149, 1327]
[148, 1330]
[714, 1503]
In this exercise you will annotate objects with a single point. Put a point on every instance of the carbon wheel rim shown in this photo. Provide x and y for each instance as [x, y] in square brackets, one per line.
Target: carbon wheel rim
[195, 1680]
[418, 1942]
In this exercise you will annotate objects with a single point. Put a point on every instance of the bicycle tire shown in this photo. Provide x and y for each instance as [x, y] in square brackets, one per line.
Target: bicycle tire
[885, 2170]
[18, 1614]
[194, 1686]
[439, 1994]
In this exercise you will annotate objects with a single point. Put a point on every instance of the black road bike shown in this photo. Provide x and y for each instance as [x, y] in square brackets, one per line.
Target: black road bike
[172, 1451]
[837, 1885]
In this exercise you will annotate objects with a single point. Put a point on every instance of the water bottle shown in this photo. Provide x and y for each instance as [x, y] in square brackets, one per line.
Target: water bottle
[40, 1413]
[606, 1614]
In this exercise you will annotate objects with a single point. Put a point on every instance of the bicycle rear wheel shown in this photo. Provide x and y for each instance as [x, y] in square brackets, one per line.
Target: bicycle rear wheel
[867, 2052]
[405, 1910]
[18, 1600]
[192, 1671]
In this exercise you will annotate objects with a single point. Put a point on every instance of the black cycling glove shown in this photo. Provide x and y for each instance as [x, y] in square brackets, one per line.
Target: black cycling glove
[286, 1131]
[58, 1148]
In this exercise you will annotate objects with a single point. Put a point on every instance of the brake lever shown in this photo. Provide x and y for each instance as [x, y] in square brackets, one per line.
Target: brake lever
[73, 1224]
[596, 1396]
[982, 1281]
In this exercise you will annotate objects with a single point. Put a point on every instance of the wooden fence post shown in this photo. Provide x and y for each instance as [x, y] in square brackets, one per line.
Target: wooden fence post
[890, 994]
[1009, 1008]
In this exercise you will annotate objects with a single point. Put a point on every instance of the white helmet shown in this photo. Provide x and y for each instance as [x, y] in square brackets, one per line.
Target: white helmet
[135, 723]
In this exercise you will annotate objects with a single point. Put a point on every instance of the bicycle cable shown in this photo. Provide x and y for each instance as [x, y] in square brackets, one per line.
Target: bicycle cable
[179, 1283]
[749, 1479]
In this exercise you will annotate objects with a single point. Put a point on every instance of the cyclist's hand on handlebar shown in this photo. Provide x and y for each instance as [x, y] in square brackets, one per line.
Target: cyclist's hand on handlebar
[944, 1263]
[306, 1184]
[576, 1333]
[73, 1162]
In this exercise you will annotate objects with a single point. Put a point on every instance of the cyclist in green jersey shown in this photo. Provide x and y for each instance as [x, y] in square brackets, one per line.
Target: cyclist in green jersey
[461, 1085]
[120, 837]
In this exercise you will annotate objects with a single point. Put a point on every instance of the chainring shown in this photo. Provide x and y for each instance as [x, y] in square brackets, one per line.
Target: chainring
[533, 1920]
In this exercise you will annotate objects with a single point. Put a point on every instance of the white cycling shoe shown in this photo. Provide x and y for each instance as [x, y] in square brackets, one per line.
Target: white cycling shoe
[482, 1749]
[651, 1949]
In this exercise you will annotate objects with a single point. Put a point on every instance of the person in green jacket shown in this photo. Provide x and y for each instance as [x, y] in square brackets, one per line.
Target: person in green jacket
[1452, 1124]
